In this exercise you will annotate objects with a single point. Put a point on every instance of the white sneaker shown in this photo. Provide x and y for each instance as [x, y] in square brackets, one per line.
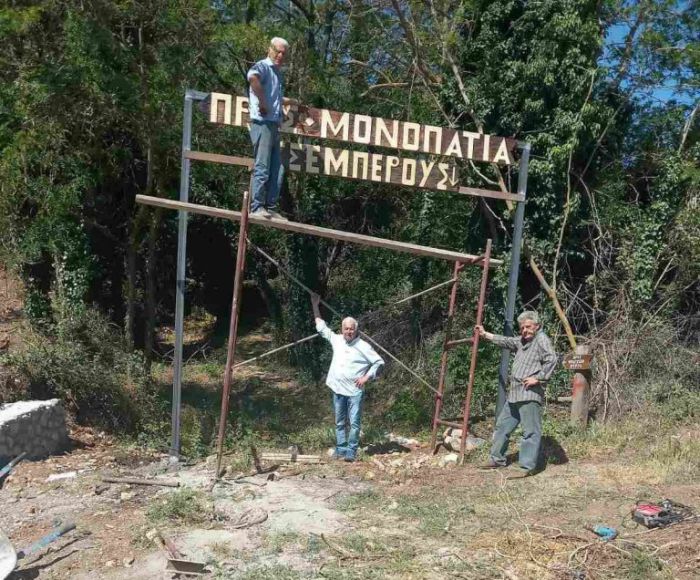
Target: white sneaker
[276, 216]
[261, 212]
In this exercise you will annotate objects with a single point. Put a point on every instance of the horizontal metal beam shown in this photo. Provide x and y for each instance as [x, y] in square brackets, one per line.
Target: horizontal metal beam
[316, 231]
[248, 162]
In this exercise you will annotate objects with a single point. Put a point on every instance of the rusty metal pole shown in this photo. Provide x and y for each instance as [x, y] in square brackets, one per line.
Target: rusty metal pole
[475, 349]
[581, 390]
[233, 328]
[443, 358]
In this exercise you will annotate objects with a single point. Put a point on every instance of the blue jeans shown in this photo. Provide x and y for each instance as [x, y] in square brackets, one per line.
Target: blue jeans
[529, 415]
[268, 170]
[347, 408]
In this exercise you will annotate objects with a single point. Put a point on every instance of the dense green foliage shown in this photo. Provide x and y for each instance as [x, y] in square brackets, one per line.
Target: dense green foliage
[606, 93]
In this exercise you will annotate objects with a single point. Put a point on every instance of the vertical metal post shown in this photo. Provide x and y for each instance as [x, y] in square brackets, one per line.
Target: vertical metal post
[180, 277]
[233, 327]
[513, 278]
[475, 349]
[443, 358]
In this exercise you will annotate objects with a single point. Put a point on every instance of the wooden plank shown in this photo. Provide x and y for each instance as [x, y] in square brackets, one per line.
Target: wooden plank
[316, 160]
[373, 131]
[300, 228]
[138, 481]
[216, 158]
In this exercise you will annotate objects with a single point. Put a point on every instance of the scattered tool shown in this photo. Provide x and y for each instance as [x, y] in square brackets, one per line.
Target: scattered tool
[8, 556]
[605, 533]
[176, 563]
[660, 515]
[10, 466]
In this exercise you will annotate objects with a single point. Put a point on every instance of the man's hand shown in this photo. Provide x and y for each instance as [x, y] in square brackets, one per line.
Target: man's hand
[530, 382]
[315, 300]
[361, 381]
[482, 332]
[263, 107]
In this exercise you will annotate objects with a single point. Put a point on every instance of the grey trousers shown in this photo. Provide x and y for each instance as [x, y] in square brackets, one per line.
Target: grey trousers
[529, 415]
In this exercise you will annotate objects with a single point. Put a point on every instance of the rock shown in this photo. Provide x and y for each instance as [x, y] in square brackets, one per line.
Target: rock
[59, 476]
[100, 489]
[35, 427]
[452, 439]
[449, 459]
[369, 475]
[128, 561]
[403, 440]
[396, 462]
[111, 563]
[126, 495]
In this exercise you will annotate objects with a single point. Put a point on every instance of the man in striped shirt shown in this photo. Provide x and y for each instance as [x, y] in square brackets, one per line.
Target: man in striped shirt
[533, 365]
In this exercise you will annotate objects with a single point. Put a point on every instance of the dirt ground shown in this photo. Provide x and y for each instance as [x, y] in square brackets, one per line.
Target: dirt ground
[388, 516]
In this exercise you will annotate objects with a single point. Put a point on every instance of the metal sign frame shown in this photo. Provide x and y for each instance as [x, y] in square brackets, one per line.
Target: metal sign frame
[188, 155]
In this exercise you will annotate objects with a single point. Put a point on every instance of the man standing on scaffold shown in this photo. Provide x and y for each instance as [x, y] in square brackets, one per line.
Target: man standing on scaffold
[354, 363]
[266, 97]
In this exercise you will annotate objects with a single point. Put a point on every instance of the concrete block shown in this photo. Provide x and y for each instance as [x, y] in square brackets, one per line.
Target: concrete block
[35, 427]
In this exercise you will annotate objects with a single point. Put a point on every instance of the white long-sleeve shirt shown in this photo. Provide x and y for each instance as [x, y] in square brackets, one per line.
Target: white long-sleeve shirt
[351, 360]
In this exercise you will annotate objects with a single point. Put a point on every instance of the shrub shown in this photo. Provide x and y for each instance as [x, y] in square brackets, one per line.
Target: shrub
[83, 360]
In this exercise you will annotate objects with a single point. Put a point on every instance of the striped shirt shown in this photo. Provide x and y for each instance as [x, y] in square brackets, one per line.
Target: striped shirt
[535, 358]
[351, 360]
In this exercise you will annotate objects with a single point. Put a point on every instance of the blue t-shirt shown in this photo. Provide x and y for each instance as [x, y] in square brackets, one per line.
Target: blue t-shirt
[272, 83]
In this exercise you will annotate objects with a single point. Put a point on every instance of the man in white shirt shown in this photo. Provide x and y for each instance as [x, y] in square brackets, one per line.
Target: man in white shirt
[354, 363]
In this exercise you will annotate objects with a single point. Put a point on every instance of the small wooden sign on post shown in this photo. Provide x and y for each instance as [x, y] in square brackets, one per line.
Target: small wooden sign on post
[580, 362]
[577, 362]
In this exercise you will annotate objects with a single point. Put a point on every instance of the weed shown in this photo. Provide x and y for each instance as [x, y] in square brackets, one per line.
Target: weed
[436, 515]
[369, 499]
[642, 566]
[276, 542]
[277, 572]
[184, 506]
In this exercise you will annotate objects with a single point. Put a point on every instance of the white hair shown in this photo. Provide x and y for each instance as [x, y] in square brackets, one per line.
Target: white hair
[351, 320]
[277, 40]
[529, 315]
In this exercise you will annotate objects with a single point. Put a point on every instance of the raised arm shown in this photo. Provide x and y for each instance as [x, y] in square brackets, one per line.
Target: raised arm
[321, 326]
[315, 301]
[509, 342]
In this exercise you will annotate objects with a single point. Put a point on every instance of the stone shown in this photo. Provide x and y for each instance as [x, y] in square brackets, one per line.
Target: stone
[37, 428]
[449, 459]
[452, 439]
[59, 476]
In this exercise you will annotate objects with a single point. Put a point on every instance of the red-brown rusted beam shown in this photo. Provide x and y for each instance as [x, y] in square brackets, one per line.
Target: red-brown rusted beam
[443, 359]
[233, 328]
[475, 350]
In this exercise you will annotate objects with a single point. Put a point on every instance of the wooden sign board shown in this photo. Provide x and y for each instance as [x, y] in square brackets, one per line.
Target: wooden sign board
[577, 362]
[423, 173]
[373, 131]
